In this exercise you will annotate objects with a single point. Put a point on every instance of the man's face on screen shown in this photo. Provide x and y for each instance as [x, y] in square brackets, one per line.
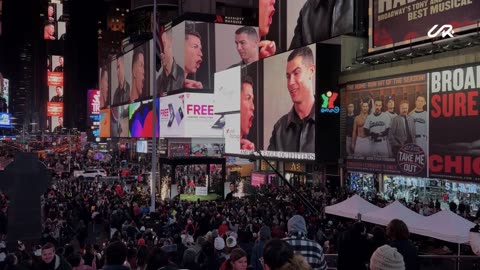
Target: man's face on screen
[247, 47]
[247, 108]
[266, 11]
[299, 79]
[193, 54]
[104, 83]
[120, 71]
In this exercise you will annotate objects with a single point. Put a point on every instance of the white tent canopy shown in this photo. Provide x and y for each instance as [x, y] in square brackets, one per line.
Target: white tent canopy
[447, 226]
[395, 210]
[351, 207]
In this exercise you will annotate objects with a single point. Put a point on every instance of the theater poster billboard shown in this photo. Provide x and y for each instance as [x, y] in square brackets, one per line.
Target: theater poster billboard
[423, 124]
[386, 125]
[399, 22]
[454, 121]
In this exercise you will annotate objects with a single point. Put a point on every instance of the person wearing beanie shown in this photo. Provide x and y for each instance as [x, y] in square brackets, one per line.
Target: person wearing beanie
[231, 242]
[219, 255]
[297, 238]
[386, 258]
[264, 235]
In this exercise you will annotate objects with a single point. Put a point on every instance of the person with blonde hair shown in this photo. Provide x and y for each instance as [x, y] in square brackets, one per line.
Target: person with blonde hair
[279, 255]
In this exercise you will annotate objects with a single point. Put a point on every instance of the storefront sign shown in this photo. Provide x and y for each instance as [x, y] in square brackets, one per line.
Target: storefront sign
[265, 167]
[294, 167]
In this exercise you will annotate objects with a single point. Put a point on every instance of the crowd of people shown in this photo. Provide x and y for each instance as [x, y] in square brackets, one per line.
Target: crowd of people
[99, 224]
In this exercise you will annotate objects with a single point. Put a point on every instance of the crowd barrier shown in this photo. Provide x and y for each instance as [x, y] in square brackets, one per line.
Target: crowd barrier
[430, 262]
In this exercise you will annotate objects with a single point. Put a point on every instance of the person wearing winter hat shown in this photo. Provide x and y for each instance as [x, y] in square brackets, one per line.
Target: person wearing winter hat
[387, 258]
[264, 235]
[219, 254]
[219, 244]
[297, 238]
[231, 242]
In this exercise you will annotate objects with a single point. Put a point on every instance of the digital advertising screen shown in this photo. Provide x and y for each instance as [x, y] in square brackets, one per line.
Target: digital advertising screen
[5, 94]
[258, 179]
[235, 45]
[385, 121]
[172, 116]
[171, 75]
[237, 96]
[119, 125]
[93, 114]
[285, 25]
[55, 93]
[199, 55]
[395, 23]
[55, 11]
[54, 108]
[190, 115]
[104, 123]
[227, 90]
[142, 147]
[104, 85]
[285, 101]
[56, 123]
[140, 88]
[412, 124]
[141, 119]
[55, 68]
[121, 79]
[5, 119]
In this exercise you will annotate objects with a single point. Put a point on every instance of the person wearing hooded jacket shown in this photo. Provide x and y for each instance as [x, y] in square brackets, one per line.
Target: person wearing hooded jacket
[297, 238]
[264, 235]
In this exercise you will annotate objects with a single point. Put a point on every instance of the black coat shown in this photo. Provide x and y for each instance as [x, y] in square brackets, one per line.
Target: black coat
[409, 253]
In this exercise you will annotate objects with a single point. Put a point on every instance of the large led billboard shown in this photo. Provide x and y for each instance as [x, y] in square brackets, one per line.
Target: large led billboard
[5, 119]
[129, 77]
[412, 124]
[189, 115]
[235, 45]
[93, 114]
[54, 27]
[282, 104]
[104, 123]
[395, 23]
[141, 119]
[55, 68]
[119, 125]
[4, 94]
[285, 25]
[192, 51]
